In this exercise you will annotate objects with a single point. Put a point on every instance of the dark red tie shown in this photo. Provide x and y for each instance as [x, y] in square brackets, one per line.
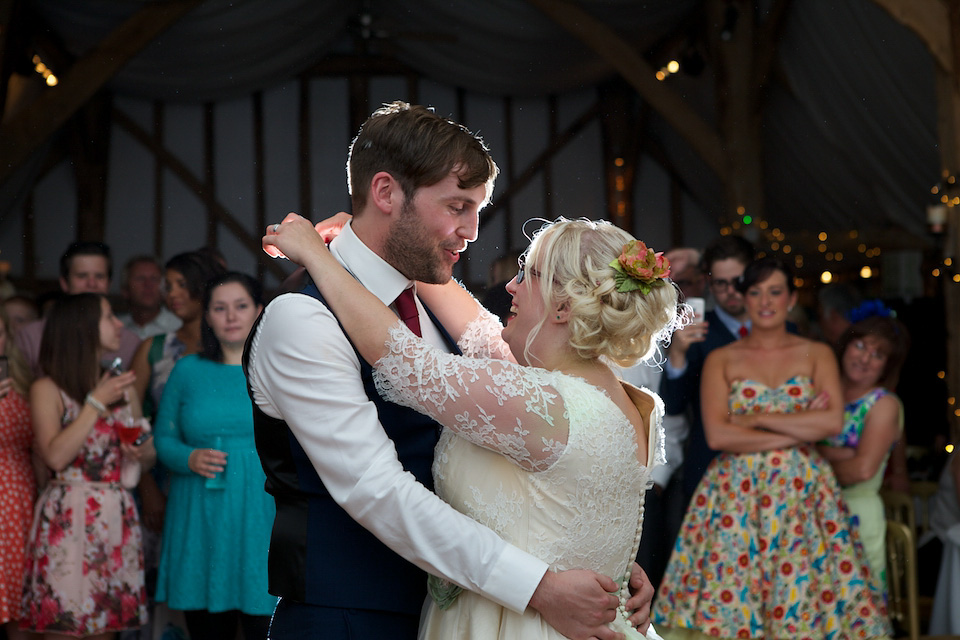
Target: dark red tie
[407, 310]
[743, 331]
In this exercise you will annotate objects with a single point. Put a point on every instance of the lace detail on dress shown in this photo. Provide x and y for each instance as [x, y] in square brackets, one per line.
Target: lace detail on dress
[481, 338]
[581, 512]
[529, 424]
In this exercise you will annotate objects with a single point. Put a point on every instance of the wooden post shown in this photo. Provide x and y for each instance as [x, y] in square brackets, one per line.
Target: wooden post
[89, 143]
[621, 128]
[948, 125]
[732, 38]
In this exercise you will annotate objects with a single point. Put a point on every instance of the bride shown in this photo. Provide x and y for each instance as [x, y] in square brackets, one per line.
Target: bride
[551, 450]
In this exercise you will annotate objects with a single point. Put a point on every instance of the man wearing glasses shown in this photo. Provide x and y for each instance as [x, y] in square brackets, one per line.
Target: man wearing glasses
[723, 264]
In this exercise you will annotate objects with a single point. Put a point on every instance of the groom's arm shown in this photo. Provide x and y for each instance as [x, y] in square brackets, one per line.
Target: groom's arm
[311, 378]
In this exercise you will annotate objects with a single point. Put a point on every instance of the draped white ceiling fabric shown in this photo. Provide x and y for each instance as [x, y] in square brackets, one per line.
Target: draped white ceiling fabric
[849, 115]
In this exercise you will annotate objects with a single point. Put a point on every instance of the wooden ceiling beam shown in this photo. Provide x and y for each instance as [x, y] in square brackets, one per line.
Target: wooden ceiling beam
[25, 132]
[930, 20]
[768, 35]
[203, 190]
[617, 52]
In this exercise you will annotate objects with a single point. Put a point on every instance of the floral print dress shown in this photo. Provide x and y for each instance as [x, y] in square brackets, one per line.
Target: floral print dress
[863, 498]
[84, 571]
[766, 549]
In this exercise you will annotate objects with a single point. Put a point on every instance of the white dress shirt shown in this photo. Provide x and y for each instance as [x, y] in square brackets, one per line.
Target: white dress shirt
[164, 322]
[309, 376]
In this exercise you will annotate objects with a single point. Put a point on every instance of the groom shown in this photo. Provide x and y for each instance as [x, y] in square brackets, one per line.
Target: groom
[357, 523]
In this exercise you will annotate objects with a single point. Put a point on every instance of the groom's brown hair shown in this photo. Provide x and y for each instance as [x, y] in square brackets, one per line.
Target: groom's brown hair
[418, 148]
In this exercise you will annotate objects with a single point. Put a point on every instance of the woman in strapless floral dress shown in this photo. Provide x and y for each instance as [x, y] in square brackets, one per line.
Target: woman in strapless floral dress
[766, 550]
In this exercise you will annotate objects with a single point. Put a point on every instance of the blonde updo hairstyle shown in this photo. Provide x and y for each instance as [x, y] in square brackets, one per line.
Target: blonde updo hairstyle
[572, 258]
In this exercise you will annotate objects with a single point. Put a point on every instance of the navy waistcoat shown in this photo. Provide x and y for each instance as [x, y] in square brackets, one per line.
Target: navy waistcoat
[318, 553]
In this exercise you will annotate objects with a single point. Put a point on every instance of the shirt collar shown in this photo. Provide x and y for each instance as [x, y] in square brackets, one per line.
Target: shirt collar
[731, 323]
[373, 272]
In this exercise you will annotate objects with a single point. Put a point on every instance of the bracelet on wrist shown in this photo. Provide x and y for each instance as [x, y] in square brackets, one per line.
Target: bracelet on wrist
[96, 404]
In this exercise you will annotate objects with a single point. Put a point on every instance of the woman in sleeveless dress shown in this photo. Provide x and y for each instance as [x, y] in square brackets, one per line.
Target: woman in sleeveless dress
[185, 276]
[84, 576]
[871, 354]
[18, 486]
[551, 450]
[766, 549]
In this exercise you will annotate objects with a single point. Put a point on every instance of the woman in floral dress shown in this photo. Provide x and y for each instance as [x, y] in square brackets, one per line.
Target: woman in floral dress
[18, 488]
[871, 354]
[766, 549]
[84, 574]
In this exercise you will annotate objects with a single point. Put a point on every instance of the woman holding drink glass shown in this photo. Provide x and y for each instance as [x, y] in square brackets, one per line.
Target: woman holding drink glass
[84, 574]
[213, 565]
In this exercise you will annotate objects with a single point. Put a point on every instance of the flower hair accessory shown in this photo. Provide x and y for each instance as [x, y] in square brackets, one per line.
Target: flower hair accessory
[870, 308]
[640, 268]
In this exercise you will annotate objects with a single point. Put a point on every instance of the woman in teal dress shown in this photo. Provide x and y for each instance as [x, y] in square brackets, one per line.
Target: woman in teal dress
[213, 564]
[871, 354]
[766, 550]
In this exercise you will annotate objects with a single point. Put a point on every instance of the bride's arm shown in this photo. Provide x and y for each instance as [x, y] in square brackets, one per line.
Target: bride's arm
[366, 319]
[453, 305]
[476, 330]
[496, 404]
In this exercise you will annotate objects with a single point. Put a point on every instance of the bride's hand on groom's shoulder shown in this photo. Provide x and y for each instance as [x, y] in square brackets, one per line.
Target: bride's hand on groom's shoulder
[295, 239]
[578, 603]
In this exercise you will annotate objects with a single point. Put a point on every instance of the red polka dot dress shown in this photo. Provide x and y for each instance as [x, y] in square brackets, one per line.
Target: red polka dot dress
[17, 492]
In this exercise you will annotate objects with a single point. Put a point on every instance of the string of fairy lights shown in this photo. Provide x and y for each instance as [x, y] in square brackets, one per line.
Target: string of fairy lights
[829, 246]
[43, 70]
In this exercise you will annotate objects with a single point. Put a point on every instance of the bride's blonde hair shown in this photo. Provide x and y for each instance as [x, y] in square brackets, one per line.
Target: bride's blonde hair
[573, 260]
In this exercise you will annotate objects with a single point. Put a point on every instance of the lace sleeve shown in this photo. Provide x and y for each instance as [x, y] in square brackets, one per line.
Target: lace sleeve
[499, 405]
[481, 338]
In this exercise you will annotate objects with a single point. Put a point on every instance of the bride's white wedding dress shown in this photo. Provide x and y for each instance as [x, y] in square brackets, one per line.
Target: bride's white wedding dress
[545, 459]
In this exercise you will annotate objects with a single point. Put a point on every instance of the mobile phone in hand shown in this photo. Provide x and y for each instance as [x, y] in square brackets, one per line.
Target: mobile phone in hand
[699, 308]
[115, 367]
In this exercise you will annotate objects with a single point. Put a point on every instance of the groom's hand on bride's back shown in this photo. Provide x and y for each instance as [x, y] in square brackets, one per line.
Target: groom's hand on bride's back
[578, 603]
[641, 596]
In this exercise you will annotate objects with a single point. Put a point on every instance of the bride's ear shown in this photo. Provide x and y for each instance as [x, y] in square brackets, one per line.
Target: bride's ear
[561, 313]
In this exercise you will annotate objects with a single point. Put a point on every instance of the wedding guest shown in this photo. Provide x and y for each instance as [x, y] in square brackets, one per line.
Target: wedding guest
[185, 276]
[871, 354]
[84, 574]
[835, 302]
[213, 564]
[141, 288]
[85, 267]
[21, 310]
[18, 487]
[766, 548]
[723, 264]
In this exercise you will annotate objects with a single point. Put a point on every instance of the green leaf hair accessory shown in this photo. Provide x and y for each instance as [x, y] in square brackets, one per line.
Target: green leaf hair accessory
[640, 268]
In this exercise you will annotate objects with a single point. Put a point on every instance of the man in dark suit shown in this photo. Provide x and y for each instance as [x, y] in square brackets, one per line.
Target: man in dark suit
[723, 264]
[357, 525]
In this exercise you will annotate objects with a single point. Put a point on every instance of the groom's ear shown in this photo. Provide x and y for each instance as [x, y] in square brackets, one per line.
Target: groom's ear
[385, 193]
